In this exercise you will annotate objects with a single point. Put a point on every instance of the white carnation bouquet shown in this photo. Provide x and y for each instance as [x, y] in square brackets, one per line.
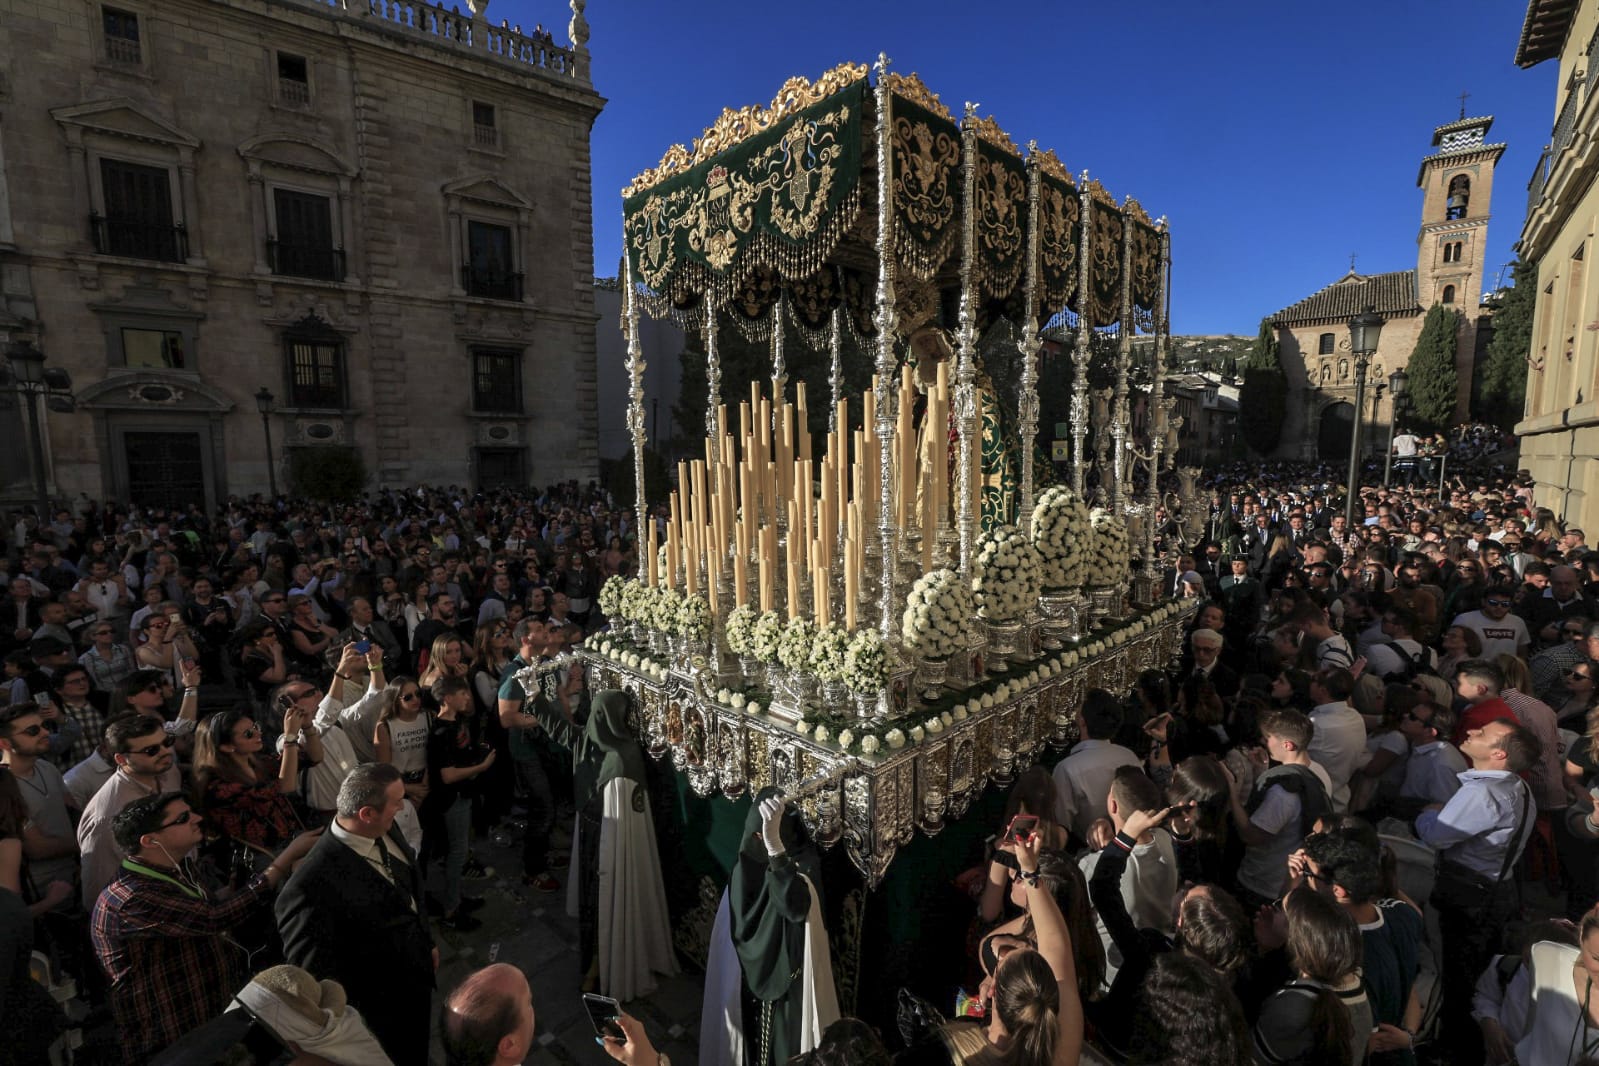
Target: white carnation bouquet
[937, 610]
[1061, 533]
[828, 652]
[865, 663]
[694, 617]
[765, 635]
[1110, 562]
[612, 596]
[663, 612]
[1009, 575]
[741, 629]
[637, 602]
[794, 649]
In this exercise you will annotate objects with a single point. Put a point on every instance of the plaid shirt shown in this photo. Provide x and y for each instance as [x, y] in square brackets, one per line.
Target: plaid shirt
[91, 720]
[165, 950]
[105, 675]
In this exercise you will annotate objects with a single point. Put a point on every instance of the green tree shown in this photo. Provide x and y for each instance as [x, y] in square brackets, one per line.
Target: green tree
[1264, 394]
[1433, 379]
[1501, 385]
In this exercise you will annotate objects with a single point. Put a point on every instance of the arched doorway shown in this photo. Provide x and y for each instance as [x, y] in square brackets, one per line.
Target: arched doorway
[1337, 428]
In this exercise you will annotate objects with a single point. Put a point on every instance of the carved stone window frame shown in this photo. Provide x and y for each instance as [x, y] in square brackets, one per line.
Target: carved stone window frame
[300, 164]
[485, 198]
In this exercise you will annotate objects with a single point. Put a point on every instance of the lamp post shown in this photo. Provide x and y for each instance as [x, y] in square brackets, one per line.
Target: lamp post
[1398, 381]
[263, 403]
[1364, 330]
[25, 370]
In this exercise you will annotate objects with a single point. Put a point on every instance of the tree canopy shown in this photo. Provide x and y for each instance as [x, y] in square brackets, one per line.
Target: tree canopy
[1502, 383]
[1433, 378]
[1263, 397]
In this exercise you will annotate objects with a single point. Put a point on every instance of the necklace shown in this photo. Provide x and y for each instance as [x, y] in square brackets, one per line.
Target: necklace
[42, 790]
[1582, 1024]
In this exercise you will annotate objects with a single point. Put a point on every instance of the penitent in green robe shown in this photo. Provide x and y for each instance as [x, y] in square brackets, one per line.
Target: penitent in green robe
[768, 904]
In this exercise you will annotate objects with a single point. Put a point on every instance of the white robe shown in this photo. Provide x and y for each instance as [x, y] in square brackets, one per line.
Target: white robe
[722, 1014]
[343, 1039]
[635, 930]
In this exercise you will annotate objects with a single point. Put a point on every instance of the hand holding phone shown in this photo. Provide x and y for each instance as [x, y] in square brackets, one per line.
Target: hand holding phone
[363, 646]
[604, 1014]
[1021, 827]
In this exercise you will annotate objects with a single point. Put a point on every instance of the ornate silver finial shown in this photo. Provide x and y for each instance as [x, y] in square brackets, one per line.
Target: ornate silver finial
[1083, 180]
[971, 109]
[578, 29]
[882, 64]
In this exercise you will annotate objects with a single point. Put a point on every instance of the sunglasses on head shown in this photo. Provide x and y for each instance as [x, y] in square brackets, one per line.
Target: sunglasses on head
[154, 749]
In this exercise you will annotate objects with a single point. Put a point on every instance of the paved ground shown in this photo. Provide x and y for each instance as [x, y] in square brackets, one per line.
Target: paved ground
[531, 930]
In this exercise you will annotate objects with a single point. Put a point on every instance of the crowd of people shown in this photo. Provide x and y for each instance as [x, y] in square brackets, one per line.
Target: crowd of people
[1354, 822]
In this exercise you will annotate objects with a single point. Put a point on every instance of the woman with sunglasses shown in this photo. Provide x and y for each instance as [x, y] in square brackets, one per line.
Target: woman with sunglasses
[166, 641]
[400, 736]
[148, 692]
[242, 789]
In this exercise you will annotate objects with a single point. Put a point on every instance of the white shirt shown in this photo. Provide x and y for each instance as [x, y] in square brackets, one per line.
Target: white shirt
[1339, 746]
[1264, 867]
[1507, 636]
[1082, 782]
[1148, 885]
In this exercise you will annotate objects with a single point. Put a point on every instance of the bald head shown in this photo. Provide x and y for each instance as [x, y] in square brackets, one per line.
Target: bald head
[488, 1019]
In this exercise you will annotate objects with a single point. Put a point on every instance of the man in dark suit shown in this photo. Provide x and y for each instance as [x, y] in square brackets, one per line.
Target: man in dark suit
[353, 913]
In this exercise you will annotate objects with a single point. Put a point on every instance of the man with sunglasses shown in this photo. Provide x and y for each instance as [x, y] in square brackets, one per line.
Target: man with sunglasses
[141, 748]
[47, 840]
[160, 935]
[1500, 631]
[1433, 768]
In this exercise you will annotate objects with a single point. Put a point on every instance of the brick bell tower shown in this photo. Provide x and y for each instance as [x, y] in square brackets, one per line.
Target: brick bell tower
[1451, 247]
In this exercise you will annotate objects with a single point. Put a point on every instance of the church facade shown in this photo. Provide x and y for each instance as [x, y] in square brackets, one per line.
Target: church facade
[1456, 181]
[379, 213]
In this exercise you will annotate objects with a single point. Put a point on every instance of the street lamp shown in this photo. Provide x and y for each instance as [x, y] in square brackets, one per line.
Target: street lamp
[1364, 329]
[26, 370]
[1398, 381]
[263, 403]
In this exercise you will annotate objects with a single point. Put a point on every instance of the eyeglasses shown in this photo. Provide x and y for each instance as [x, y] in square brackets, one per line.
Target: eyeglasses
[304, 693]
[1577, 675]
[275, 599]
[153, 687]
[409, 696]
[31, 731]
[154, 749]
[183, 819]
[249, 734]
[1412, 716]
[1492, 602]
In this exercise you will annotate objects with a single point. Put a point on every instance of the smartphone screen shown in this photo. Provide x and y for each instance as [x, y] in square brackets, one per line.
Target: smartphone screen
[603, 1013]
[363, 646]
[1021, 827]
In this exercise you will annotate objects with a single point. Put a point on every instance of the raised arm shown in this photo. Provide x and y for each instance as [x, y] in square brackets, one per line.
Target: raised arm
[1055, 945]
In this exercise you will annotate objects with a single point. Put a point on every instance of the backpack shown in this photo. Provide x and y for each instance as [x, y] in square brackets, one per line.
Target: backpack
[1302, 782]
[1413, 665]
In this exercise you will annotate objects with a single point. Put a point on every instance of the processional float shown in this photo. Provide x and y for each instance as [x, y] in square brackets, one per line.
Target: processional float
[884, 621]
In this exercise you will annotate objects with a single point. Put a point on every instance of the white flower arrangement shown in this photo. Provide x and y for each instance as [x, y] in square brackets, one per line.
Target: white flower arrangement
[870, 744]
[752, 707]
[794, 649]
[947, 718]
[637, 602]
[803, 728]
[821, 734]
[741, 628]
[829, 651]
[1009, 575]
[918, 734]
[693, 617]
[845, 739]
[865, 663]
[937, 611]
[1061, 534]
[933, 725]
[737, 700]
[1110, 559]
[612, 594]
[724, 697]
[632, 660]
[895, 738]
[959, 713]
[765, 636]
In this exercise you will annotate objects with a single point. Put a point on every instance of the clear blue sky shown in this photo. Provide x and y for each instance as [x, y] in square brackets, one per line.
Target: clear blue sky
[1277, 137]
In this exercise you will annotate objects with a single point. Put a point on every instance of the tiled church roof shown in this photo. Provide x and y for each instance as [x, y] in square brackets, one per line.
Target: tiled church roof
[1389, 294]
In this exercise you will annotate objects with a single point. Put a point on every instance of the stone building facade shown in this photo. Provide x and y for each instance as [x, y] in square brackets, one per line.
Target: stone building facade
[1457, 188]
[378, 211]
[1560, 427]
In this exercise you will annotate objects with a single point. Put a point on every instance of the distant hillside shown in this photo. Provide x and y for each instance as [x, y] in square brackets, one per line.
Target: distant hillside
[1208, 352]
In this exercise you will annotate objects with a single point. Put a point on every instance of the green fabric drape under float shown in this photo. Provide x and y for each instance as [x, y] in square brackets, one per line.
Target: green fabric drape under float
[781, 199]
